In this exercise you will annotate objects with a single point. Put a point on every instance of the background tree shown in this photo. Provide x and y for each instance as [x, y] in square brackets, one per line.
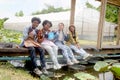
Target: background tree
[2, 21]
[19, 14]
[111, 12]
[50, 9]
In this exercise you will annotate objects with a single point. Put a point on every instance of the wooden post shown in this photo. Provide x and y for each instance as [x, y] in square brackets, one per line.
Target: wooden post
[72, 14]
[101, 23]
[118, 29]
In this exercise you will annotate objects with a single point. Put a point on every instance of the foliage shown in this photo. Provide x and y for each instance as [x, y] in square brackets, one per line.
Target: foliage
[49, 9]
[9, 72]
[84, 76]
[43, 77]
[90, 6]
[2, 21]
[111, 12]
[68, 78]
[111, 65]
[9, 36]
[19, 14]
[116, 69]
[101, 66]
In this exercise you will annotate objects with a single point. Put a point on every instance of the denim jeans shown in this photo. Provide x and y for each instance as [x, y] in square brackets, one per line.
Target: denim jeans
[52, 51]
[32, 51]
[79, 51]
[66, 51]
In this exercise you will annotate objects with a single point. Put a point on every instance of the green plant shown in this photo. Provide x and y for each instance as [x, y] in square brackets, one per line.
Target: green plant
[109, 65]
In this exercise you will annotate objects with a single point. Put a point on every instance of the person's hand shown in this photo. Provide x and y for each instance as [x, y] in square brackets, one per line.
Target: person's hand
[31, 34]
[77, 45]
[68, 32]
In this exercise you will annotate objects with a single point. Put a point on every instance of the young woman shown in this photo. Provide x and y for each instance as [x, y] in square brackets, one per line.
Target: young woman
[47, 44]
[73, 42]
[59, 40]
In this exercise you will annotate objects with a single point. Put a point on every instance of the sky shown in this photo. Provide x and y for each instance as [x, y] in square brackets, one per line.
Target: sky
[8, 8]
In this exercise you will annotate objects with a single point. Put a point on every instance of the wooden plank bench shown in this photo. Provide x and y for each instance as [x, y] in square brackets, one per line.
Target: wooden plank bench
[16, 54]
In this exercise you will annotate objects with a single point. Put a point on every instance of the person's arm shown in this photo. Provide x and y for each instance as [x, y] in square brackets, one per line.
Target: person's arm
[55, 36]
[77, 39]
[71, 40]
[25, 33]
[66, 36]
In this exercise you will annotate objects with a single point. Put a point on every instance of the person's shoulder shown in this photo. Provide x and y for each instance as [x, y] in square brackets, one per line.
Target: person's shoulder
[27, 27]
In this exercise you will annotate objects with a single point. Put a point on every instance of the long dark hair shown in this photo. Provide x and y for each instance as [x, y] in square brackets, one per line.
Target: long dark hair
[73, 33]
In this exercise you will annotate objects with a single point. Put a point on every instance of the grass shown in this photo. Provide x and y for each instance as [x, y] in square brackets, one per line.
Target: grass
[8, 72]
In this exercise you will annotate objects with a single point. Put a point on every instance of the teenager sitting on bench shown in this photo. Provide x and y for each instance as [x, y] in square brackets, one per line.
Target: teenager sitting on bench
[29, 41]
[73, 42]
[59, 40]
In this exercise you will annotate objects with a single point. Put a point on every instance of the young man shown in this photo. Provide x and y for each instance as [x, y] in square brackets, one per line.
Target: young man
[59, 39]
[29, 41]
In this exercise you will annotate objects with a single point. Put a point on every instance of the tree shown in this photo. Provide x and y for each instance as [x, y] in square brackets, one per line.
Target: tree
[2, 21]
[111, 12]
[49, 9]
[19, 14]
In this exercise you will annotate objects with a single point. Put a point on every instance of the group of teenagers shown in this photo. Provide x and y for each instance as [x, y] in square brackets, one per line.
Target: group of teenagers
[44, 39]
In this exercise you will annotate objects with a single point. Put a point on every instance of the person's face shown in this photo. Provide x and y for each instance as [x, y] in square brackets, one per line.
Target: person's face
[47, 26]
[61, 26]
[35, 24]
[72, 29]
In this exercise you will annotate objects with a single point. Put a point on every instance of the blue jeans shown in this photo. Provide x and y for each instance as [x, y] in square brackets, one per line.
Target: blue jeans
[32, 51]
[79, 51]
[66, 51]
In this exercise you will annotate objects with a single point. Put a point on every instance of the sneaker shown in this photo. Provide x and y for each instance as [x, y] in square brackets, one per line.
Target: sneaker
[69, 63]
[58, 66]
[55, 67]
[37, 71]
[75, 61]
[86, 56]
[45, 71]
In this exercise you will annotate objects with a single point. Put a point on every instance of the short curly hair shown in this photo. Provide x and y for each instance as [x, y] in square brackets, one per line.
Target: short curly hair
[47, 21]
[36, 19]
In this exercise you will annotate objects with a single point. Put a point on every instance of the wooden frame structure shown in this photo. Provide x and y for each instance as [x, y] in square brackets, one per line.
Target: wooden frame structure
[102, 17]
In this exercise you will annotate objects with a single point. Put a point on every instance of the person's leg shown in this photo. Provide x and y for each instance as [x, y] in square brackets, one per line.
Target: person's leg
[51, 52]
[71, 55]
[42, 58]
[64, 52]
[55, 50]
[33, 56]
[33, 59]
[77, 50]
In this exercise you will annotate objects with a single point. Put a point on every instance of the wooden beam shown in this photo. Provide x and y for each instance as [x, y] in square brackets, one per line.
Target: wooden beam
[72, 14]
[118, 29]
[113, 2]
[101, 23]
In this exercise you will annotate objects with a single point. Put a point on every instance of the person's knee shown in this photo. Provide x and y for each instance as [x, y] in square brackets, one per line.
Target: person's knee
[31, 49]
[55, 47]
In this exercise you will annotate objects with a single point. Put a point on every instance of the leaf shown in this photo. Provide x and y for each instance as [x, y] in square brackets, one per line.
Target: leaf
[101, 66]
[43, 77]
[116, 69]
[111, 61]
[85, 76]
[68, 78]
